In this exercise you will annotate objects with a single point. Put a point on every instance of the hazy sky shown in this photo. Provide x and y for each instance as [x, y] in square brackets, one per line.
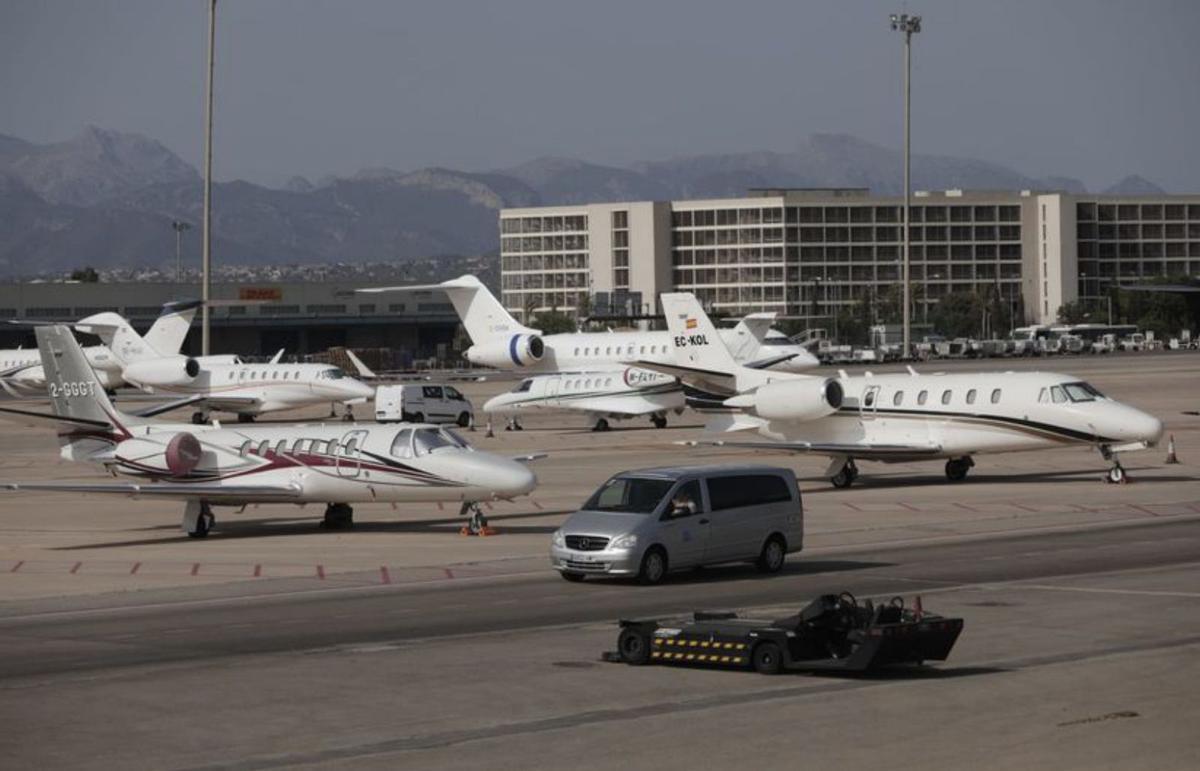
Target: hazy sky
[1093, 90]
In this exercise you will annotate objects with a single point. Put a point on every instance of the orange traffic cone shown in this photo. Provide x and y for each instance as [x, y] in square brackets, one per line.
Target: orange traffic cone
[1171, 458]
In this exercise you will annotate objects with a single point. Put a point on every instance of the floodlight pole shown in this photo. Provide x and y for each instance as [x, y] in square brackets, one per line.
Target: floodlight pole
[908, 25]
[179, 226]
[206, 256]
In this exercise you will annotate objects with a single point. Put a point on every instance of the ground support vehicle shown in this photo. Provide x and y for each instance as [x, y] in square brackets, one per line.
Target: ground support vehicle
[833, 633]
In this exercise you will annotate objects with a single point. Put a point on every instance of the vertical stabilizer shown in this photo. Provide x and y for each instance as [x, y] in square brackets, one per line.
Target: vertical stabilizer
[698, 344]
[481, 313]
[74, 389]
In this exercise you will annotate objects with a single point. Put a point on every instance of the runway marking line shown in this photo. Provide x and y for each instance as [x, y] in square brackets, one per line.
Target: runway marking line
[75, 568]
[449, 573]
[536, 505]
[851, 505]
[1142, 509]
[1023, 508]
[195, 568]
[968, 508]
[17, 566]
[133, 570]
[908, 506]
[258, 571]
[384, 576]
[1097, 590]
[321, 572]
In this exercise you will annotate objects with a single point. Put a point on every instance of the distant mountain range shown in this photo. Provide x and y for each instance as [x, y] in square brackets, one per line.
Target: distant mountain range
[107, 199]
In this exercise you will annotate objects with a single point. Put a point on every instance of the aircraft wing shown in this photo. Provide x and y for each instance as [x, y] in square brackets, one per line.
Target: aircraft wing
[883, 452]
[770, 361]
[629, 406]
[34, 418]
[184, 490]
[158, 409]
[692, 376]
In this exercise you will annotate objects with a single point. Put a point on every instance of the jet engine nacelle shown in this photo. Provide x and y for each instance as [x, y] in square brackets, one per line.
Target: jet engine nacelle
[176, 455]
[162, 372]
[797, 400]
[516, 350]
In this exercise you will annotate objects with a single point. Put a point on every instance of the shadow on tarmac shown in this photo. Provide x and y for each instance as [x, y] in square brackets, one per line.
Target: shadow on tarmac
[867, 481]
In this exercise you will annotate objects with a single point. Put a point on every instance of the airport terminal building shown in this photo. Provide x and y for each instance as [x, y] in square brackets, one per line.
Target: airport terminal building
[807, 253]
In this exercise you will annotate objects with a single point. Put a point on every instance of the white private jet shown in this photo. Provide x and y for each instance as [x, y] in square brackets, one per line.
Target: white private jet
[500, 341]
[224, 383]
[21, 373]
[604, 395]
[899, 417]
[288, 463]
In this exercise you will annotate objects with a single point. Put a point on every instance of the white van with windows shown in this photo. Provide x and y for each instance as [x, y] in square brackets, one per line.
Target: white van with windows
[423, 403]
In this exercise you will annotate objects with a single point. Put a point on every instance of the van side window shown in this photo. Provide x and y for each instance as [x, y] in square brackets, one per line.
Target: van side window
[746, 490]
[685, 501]
[432, 392]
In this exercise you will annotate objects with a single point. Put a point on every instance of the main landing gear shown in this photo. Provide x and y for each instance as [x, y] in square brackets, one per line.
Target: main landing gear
[1116, 473]
[846, 475]
[199, 418]
[245, 417]
[198, 519]
[601, 424]
[659, 421]
[477, 524]
[348, 415]
[514, 425]
[338, 516]
[957, 468]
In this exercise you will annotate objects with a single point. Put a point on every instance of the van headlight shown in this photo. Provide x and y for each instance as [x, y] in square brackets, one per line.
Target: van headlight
[557, 539]
[624, 542]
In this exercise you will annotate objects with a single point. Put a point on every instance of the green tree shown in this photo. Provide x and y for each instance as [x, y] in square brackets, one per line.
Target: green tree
[87, 275]
[853, 325]
[958, 314]
[553, 322]
[1074, 312]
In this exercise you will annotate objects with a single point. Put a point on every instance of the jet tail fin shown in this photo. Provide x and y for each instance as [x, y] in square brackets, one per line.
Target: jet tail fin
[164, 338]
[480, 312]
[363, 369]
[76, 394]
[698, 346]
[170, 329]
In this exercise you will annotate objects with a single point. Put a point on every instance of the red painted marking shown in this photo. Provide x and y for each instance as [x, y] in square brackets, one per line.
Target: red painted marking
[536, 505]
[258, 571]
[965, 506]
[76, 568]
[449, 573]
[321, 572]
[1194, 506]
[851, 505]
[384, 576]
[17, 566]
[907, 506]
[133, 571]
[195, 568]
[1142, 509]
[1024, 508]
[441, 507]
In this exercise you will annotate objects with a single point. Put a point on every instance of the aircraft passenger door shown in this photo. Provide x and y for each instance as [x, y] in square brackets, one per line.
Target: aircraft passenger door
[349, 454]
[553, 387]
[868, 403]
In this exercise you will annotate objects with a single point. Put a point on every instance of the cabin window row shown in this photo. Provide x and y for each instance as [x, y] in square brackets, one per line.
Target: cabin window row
[947, 397]
[630, 350]
[298, 446]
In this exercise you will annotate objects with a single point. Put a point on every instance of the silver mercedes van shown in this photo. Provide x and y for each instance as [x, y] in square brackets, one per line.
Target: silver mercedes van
[649, 522]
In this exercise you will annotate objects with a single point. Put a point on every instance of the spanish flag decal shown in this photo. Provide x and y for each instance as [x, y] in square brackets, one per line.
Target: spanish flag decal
[691, 323]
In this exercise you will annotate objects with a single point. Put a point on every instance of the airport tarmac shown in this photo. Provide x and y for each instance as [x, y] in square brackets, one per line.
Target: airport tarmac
[274, 643]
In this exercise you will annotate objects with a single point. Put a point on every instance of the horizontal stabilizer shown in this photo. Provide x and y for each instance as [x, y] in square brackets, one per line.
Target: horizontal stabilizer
[214, 491]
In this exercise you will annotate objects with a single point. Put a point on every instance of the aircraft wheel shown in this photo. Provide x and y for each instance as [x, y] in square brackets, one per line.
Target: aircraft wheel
[338, 516]
[654, 567]
[419, 417]
[659, 421]
[774, 552]
[204, 523]
[1116, 475]
[844, 478]
[198, 419]
[633, 646]
[601, 425]
[767, 658]
[957, 468]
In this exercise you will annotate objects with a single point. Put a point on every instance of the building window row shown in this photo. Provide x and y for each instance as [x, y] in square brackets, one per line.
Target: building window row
[1088, 211]
[552, 224]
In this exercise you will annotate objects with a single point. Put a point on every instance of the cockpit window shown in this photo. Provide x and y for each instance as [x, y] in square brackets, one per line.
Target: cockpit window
[1057, 395]
[427, 440]
[525, 386]
[333, 373]
[1081, 392]
[455, 439]
[402, 444]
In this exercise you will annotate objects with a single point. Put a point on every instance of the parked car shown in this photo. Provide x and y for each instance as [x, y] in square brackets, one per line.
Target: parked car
[646, 523]
[420, 403]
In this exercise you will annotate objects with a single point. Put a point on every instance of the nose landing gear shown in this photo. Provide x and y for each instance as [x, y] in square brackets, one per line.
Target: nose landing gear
[1116, 473]
[477, 524]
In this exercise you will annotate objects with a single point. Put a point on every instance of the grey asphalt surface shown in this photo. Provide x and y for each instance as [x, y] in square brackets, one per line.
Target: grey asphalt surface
[91, 642]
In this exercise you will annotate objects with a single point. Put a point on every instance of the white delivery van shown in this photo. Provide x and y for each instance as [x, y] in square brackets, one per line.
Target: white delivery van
[420, 403]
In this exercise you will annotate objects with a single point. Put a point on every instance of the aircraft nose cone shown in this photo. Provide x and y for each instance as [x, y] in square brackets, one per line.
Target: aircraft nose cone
[497, 404]
[1151, 429]
[503, 477]
[361, 390]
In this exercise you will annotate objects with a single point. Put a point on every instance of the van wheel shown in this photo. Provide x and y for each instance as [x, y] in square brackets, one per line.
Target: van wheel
[464, 419]
[654, 567]
[767, 658]
[633, 646]
[774, 552]
[419, 417]
[572, 577]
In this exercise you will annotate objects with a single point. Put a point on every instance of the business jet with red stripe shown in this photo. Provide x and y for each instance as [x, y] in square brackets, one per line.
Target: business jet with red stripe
[212, 465]
[898, 416]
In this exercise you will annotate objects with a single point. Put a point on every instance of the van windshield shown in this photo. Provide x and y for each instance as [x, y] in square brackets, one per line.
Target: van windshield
[629, 494]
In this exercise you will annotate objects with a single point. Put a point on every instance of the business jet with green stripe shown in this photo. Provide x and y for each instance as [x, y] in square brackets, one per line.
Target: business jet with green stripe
[897, 416]
[603, 395]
